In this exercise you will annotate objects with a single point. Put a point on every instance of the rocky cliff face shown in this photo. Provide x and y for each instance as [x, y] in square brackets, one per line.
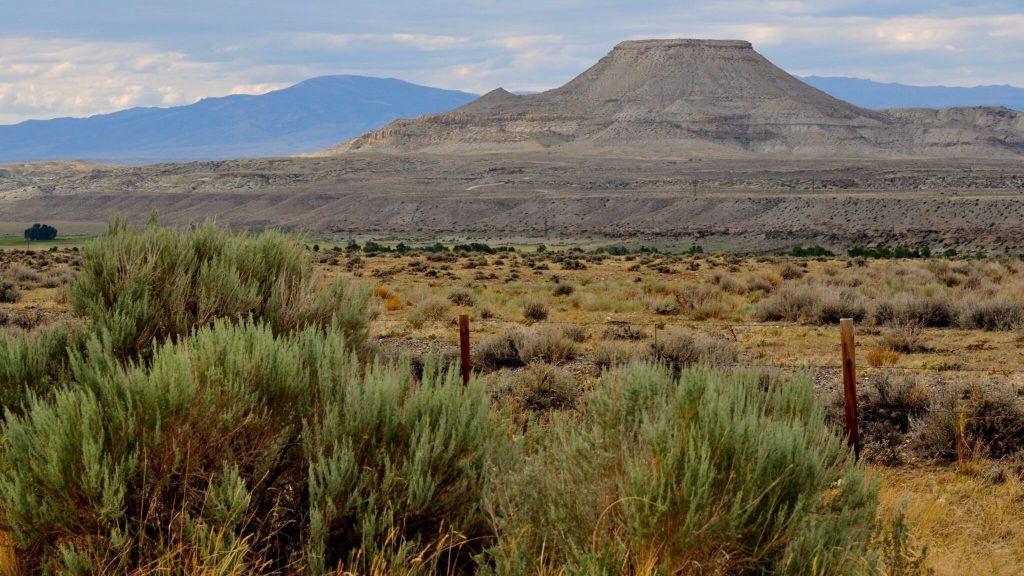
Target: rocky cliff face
[683, 97]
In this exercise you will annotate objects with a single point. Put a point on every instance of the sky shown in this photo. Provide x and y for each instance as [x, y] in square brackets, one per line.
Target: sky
[83, 57]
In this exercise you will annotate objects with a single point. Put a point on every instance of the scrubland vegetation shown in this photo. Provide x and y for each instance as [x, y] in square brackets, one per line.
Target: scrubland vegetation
[204, 402]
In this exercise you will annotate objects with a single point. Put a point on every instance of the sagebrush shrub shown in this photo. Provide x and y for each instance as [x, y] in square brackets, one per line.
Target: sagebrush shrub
[549, 344]
[760, 283]
[983, 416]
[9, 292]
[683, 348]
[928, 311]
[429, 310]
[145, 286]
[34, 363]
[834, 306]
[997, 313]
[611, 354]
[536, 310]
[253, 451]
[904, 337]
[790, 271]
[563, 289]
[700, 301]
[792, 303]
[888, 405]
[724, 473]
[462, 298]
[811, 304]
[576, 333]
[538, 389]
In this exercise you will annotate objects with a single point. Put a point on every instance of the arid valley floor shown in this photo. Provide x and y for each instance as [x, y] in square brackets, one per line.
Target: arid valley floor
[544, 325]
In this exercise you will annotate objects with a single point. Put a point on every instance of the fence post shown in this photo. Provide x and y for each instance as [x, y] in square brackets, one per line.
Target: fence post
[850, 383]
[464, 347]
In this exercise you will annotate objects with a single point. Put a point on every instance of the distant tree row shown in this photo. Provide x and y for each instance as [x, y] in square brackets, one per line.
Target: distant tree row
[40, 232]
[374, 247]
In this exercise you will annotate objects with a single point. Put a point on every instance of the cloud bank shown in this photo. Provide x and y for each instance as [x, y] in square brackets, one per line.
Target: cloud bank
[102, 56]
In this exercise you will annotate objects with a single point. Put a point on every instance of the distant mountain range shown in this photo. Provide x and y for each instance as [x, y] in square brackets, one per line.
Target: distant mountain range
[303, 118]
[878, 95]
[324, 111]
[695, 98]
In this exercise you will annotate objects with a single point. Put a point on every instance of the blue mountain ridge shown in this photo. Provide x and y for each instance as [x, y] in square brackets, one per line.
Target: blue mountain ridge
[879, 95]
[306, 117]
[321, 112]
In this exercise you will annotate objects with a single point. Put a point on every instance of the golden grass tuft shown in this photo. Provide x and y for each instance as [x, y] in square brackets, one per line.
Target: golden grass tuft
[879, 357]
[381, 291]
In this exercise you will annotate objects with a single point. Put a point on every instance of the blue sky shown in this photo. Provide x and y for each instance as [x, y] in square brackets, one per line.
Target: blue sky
[78, 57]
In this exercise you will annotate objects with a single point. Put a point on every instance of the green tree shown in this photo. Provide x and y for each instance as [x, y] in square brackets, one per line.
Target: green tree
[40, 232]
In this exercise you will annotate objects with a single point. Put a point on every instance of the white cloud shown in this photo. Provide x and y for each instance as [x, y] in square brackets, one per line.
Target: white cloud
[430, 42]
[256, 88]
[128, 97]
[537, 45]
[66, 77]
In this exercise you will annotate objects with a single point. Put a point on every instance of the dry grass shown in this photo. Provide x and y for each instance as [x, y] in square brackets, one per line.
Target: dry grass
[969, 524]
[879, 357]
[931, 315]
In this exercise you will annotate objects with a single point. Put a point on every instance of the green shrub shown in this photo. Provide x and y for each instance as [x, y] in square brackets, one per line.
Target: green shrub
[9, 292]
[33, 363]
[563, 289]
[964, 420]
[722, 473]
[998, 313]
[143, 287]
[790, 271]
[811, 304]
[906, 337]
[429, 310]
[535, 310]
[548, 344]
[611, 354]
[618, 330]
[40, 232]
[683, 348]
[540, 388]
[790, 303]
[576, 333]
[500, 350]
[837, 305]
[928, 311]
[664, 306]
[888, 404]
[245, 452]
[462, 297]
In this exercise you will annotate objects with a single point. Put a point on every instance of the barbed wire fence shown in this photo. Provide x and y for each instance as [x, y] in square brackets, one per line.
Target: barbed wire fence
[657, 328]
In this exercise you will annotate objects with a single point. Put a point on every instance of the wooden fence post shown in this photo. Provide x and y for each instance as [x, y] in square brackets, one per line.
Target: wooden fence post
[464, 347]
[850, 383]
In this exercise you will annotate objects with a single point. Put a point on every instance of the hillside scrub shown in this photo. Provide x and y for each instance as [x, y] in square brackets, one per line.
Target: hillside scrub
[246, 452]
[34, 363]
[173, 429]
[704, 473]
[144, 286]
